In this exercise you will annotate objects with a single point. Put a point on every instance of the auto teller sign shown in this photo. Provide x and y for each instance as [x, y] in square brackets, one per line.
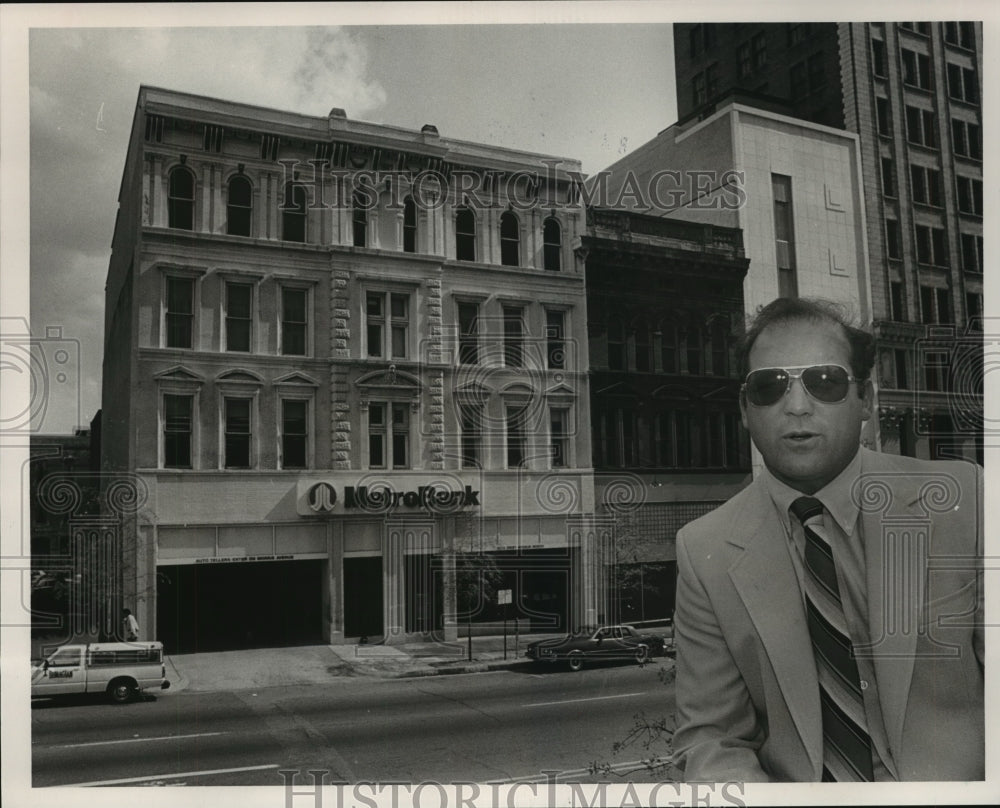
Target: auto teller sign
[322, 497]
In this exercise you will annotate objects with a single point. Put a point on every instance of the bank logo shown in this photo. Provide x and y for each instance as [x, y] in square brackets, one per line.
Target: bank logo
[322, 498]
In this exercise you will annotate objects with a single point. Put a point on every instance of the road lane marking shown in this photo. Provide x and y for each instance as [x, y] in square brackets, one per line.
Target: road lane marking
[577, 701]
[136, 740]
[167, 776]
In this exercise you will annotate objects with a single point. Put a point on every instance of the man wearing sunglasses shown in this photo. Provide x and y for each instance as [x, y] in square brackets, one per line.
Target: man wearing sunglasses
[829, 617]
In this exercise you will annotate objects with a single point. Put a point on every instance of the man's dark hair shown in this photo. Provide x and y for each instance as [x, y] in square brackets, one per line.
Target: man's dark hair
[791, 309]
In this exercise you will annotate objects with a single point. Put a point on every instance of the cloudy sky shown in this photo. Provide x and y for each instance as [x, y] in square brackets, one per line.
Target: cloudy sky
[588, 91]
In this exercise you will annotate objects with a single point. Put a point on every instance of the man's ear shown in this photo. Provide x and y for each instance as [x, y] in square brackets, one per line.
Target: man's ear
[867, 399]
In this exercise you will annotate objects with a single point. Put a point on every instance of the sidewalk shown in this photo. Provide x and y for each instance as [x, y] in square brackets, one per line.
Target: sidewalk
[321, 664]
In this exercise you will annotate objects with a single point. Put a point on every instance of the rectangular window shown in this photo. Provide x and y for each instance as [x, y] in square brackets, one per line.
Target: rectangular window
[926, 185]
[879, 59]
[918, 185]
[916, 69]
[294, 321]
[472, 423]
[389, 435]
[925, 252]
[920, 127]
[939, 247]
[239, 316]
[698, 89]
[559, 436]
[555, 338]
[516, 443]
[237, 433]
[395, 332]
[893, 247]
[951, 32]
[294, 433]
[180, 312]
[927, 304]
[468, 333]
[888, 177]
[902, 382]
[970, 196]
[883, 116]
[966, 138]
[943, 300]
[513, 336]
[743, 55]
[784, 235]
[177, 431]
[973, 305]
[376, 436]
[400, 436]
[797, 33]
[897, 301]
[967, 35]
[935, 370]
[759, 49]
[962, 84]
[972, 252]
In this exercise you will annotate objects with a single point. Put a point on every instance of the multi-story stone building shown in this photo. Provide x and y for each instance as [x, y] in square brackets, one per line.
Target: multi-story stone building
[665, 303]
[912, 92]
[338, 356]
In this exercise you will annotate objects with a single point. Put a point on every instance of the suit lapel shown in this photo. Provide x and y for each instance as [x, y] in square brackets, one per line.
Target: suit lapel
[897, 541]
[766, 582]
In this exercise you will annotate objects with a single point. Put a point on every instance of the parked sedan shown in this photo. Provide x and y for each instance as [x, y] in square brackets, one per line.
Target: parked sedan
[604, 643]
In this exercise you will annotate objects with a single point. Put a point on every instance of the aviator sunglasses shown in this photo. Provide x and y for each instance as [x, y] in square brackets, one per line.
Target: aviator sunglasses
[826, 383]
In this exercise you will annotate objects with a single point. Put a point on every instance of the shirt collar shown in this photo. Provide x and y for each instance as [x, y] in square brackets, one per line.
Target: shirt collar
[836, 496]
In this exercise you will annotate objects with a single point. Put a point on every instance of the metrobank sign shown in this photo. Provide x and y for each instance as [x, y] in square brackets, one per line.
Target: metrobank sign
[382, 495]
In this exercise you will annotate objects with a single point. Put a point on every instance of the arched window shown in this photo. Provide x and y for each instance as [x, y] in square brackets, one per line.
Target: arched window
[180, 200]
[552, 239]
[239, 206]
[643, 346]
[409, 225]
[293, 213]
[465, 235]
[616, 344]
[359, 220]
[510, 240]
[668, 346]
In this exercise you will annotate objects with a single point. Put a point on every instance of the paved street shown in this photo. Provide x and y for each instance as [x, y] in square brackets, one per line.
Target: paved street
[503, 725]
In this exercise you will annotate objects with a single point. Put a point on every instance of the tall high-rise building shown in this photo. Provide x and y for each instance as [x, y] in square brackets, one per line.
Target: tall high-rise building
[912, 93]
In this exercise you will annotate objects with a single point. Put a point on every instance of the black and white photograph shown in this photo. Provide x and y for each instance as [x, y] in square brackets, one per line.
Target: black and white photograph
[455, 404]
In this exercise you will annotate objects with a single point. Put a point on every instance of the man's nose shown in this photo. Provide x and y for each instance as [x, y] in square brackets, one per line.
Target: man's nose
[797, 400]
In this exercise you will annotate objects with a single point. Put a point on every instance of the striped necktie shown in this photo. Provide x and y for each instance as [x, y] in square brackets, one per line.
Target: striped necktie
[847, 749]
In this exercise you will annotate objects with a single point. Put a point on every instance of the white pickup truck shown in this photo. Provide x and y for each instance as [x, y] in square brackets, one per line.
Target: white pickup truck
[120, 669]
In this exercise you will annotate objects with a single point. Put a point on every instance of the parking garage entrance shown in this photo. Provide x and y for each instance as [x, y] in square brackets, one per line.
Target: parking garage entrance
[229, 606]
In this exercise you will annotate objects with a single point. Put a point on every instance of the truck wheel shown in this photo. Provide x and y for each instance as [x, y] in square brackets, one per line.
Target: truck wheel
[575, 662]
[122, 691]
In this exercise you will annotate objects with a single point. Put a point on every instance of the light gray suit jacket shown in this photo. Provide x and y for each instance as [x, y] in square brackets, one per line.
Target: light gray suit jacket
[747, 695]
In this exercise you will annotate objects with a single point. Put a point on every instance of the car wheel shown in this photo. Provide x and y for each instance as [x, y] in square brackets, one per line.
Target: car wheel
[641, 654]
[121, 691]
[575, 661]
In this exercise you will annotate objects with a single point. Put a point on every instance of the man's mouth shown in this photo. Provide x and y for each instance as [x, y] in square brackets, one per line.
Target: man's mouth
[800, 437]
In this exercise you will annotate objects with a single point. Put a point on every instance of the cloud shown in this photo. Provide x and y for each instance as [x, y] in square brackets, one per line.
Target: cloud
[83, 89]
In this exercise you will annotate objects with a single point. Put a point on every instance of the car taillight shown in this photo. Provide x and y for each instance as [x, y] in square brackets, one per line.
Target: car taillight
[163, 671]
